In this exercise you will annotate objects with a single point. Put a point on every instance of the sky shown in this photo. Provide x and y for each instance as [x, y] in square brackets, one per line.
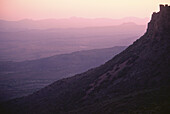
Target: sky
[43, 9]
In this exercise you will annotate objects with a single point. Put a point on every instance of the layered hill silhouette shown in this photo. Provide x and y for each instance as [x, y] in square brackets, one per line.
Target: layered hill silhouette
[22, 78]
[73, 22]
[134, 81]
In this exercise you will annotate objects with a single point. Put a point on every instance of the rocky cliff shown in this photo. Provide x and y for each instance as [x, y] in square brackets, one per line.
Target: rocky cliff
[160, 22]
[134, 81]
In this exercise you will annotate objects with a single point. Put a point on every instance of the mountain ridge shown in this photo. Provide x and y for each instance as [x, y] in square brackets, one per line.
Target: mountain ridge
[74, 22]
[132, 80]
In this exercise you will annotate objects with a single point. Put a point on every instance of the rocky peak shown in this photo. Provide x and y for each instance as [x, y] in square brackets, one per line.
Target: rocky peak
[160, 22]
[132, 81]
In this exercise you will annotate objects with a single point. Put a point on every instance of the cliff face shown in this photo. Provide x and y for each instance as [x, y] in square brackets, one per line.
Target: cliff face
[135, 80]
[160, 22]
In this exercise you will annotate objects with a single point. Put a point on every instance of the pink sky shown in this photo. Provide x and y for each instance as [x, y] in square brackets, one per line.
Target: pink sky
[40, 9]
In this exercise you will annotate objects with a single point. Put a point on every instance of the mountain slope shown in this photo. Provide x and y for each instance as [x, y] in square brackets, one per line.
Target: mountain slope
[22, 78]
[130, 82]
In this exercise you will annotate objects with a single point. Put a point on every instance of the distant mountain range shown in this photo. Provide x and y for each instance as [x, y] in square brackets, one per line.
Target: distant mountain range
[74, 22]
[135, 81]
[22, 78]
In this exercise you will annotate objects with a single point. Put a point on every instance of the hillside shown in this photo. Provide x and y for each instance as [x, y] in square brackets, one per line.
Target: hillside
[22, 78]
[131, 82]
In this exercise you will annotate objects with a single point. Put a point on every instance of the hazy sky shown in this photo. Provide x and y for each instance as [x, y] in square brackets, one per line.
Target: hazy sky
[39, 9]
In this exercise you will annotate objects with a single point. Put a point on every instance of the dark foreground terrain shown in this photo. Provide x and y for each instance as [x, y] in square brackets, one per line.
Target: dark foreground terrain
[134, 81]
[18, 79]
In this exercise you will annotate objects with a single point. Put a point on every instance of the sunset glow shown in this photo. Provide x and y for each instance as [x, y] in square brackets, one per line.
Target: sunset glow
[40, 9]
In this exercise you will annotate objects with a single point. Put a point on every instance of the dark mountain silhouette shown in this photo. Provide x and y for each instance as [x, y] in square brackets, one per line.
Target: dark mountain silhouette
[134, 81]
[22, 78]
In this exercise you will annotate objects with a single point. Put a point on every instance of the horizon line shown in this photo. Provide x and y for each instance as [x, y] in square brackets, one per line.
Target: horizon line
[73, 17]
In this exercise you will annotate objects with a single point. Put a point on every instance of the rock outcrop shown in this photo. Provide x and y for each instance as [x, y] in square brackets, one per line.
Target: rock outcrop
[135, 81]
[160, 22]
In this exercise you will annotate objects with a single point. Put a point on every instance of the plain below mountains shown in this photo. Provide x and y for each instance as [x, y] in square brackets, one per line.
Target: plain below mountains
[135, 81]
[33, 44]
